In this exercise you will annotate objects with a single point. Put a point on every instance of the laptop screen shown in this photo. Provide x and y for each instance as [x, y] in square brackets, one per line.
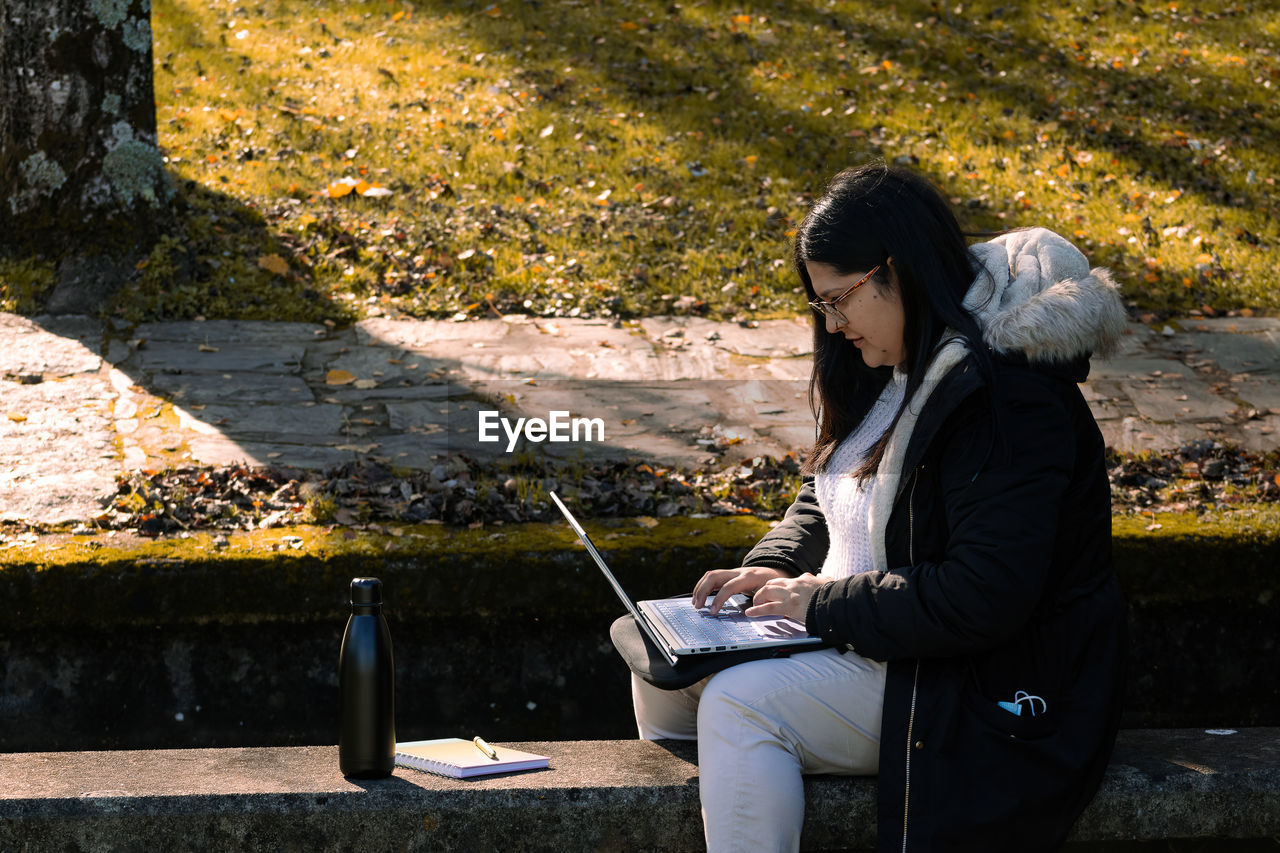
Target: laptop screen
[582, 534]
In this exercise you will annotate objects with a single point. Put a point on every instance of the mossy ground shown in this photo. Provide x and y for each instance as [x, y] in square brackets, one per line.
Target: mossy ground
[614, 158]
[299, 571]
[1255, 527]
[1259, 522]
[296, 542]
[25, 284]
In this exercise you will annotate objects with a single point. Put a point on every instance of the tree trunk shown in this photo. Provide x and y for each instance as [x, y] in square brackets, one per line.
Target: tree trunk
[83, 177]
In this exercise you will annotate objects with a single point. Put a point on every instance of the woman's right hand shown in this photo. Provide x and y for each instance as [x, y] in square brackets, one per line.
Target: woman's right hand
[723, 583]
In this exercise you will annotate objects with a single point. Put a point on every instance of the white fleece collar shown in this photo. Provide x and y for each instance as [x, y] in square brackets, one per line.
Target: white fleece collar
[889, 476]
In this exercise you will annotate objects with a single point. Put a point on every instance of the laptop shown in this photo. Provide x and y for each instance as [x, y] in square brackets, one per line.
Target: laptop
[679, 629]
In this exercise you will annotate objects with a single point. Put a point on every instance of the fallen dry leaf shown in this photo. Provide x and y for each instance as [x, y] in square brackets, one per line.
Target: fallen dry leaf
[341, 187]
[339, 377]
[275, 264]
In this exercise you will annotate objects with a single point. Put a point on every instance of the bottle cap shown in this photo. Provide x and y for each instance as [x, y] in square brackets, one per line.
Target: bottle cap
[366, 591]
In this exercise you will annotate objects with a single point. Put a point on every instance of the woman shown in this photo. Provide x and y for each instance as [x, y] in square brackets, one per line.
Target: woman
[953, 545]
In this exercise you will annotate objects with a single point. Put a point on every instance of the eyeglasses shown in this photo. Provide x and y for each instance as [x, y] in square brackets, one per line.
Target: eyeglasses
[828, 308]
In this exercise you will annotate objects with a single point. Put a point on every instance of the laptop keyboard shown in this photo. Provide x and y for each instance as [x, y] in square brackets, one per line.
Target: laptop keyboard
[699, 628]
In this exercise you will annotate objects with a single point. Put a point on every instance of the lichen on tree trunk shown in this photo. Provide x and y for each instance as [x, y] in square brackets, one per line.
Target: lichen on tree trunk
[79, 161]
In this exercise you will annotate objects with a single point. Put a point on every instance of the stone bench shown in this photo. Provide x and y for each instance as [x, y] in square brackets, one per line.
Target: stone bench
[597, 795]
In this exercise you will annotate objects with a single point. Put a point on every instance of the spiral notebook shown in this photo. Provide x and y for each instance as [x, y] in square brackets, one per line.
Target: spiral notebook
[462, 759]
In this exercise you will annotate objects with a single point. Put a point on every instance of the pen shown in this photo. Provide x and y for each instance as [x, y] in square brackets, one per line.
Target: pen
[485, 748]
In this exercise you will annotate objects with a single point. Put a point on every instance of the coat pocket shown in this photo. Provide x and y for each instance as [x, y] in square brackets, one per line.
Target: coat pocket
[1037, 718]
[1015, 689]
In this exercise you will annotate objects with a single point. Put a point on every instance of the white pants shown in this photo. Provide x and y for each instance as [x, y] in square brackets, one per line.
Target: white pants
[759, 726]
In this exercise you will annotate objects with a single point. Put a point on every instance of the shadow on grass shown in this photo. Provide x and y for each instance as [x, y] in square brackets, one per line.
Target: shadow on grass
[665, 68]
[594, 57]
[221, 257]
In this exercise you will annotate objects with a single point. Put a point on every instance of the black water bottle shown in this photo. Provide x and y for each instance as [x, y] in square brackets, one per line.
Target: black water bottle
[366, 679]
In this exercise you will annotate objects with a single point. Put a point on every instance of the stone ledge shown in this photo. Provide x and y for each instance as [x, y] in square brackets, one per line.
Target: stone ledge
[598, 795]
[156, 644]
[301, 572]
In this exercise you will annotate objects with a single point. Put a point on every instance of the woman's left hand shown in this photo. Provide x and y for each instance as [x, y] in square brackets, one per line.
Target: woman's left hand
[786, 597]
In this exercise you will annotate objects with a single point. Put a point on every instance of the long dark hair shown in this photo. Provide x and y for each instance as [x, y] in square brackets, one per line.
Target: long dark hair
[867, 216]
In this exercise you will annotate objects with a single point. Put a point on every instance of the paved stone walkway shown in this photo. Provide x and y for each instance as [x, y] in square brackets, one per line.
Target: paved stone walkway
[81, 402]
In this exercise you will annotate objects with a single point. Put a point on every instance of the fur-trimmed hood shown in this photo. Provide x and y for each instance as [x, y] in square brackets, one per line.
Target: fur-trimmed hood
[1036, 295]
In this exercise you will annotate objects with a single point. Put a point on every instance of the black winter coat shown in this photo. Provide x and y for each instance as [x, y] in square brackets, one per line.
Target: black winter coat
[1001, 581]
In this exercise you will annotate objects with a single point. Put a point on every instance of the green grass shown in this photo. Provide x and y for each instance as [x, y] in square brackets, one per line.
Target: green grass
[628, 158]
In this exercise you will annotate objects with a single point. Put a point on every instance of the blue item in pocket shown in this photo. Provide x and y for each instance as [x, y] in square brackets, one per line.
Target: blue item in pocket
[1021, 697]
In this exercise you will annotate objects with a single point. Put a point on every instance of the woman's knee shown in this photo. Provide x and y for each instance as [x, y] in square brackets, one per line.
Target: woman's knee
[732, 693]
[665, 714]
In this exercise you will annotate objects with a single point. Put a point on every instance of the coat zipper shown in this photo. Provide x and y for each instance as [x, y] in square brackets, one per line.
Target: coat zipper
[906, 795]
[911, 720]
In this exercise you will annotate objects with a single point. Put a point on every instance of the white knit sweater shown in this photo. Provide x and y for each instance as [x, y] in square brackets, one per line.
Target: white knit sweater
[844, 498]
